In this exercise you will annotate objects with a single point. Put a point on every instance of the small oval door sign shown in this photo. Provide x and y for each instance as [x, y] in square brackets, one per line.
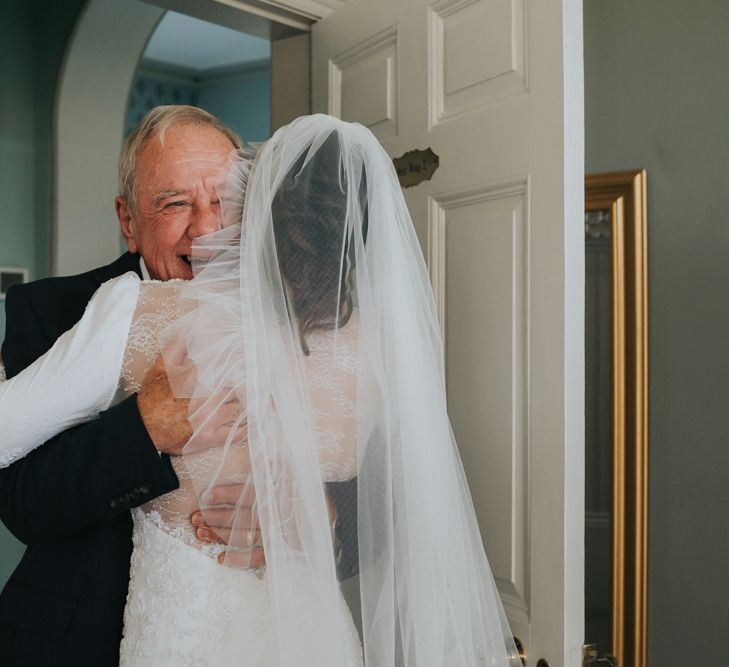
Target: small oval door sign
[416, 166]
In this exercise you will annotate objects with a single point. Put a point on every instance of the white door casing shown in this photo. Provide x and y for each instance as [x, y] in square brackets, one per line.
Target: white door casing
[494, 87]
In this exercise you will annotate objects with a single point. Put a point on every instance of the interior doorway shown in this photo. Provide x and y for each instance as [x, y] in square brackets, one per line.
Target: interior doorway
[104, 59]
[224, 71]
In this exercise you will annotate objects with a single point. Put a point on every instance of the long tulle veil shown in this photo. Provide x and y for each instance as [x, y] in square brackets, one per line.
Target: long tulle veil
[315, 310]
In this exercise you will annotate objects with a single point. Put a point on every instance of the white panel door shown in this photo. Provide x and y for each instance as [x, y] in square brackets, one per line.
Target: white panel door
[494, 87]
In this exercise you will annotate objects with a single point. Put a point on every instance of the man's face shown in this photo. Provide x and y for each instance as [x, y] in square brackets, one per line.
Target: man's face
[177, 198]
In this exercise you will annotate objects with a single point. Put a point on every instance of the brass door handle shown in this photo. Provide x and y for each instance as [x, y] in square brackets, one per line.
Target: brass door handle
[591, 658]
[520, 651]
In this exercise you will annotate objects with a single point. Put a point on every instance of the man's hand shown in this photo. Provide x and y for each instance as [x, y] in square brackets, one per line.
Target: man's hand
[165, 417]
[222, 523]
[218, 419]
[229, 517]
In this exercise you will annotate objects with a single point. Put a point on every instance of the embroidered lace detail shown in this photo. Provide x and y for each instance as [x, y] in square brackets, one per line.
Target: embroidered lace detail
[331, 369]
[180, 532]
[331, 381]
[171, 512]
[185, 609]
[158, 306]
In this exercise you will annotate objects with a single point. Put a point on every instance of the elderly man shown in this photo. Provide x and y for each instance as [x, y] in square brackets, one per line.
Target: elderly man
[69, 500]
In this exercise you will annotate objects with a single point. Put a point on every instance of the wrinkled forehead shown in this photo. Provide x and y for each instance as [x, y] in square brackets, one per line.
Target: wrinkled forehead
[196, 147]
[183, 166]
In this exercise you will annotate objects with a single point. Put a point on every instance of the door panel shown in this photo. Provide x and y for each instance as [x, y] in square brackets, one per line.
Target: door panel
[363, 81]
[494, 88]
[485, 232]
[478, 52]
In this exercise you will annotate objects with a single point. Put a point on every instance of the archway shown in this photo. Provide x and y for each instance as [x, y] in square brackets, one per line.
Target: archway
[91, 103]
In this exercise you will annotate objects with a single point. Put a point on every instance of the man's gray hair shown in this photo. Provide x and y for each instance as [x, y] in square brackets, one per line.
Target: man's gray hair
[154, 125]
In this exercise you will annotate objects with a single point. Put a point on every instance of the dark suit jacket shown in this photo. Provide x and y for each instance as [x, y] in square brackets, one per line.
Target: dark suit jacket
[69, 500]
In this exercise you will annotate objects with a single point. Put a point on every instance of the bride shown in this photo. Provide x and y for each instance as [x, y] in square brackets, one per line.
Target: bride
[313, 310]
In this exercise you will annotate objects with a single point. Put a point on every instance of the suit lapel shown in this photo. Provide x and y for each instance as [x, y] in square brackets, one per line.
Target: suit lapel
[79, 290]
[127, 262]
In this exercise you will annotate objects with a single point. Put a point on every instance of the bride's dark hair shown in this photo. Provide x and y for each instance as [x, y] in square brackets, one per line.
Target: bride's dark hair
[315, 252]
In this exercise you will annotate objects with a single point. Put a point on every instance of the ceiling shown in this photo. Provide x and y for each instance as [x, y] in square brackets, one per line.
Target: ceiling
[186, 42]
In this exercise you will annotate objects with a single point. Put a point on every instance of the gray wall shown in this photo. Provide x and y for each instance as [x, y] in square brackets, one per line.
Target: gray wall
[657, 96]
[290, 79]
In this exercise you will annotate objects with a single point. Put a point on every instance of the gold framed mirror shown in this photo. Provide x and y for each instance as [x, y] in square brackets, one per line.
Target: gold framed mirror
[616, 494]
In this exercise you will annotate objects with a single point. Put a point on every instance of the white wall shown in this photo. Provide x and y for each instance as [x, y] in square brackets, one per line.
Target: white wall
[657, 96]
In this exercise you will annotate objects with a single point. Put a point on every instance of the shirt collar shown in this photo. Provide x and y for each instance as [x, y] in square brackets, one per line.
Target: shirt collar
[143, 269]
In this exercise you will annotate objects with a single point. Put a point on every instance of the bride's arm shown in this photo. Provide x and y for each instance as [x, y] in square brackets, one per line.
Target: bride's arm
[73, 381]
[88, 473]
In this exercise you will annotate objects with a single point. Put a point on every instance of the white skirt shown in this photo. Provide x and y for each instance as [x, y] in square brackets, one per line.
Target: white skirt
[184, 608]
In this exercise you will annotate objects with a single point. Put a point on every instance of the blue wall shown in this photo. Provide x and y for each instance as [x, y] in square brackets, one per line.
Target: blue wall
[241, 99]
[17, 145]
[17, 148]
[150, 90]
[33, 37]
[244, 104]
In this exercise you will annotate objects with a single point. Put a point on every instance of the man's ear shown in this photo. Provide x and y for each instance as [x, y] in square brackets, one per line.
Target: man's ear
[126, 222]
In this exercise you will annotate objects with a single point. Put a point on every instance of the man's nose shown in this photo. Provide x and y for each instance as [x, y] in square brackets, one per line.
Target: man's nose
[205, 219]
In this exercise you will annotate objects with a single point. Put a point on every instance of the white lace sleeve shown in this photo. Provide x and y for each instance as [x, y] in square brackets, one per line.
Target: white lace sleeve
[159, 305]
[75, 380]
[337, 386]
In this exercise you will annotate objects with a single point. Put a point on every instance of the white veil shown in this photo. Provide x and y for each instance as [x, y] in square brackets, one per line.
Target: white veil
[316, 313]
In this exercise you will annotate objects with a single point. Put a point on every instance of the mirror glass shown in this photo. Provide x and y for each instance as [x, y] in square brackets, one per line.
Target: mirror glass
[598, 427]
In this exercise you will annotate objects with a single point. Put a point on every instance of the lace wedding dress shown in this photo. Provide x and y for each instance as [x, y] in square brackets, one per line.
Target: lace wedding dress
[183, 606]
